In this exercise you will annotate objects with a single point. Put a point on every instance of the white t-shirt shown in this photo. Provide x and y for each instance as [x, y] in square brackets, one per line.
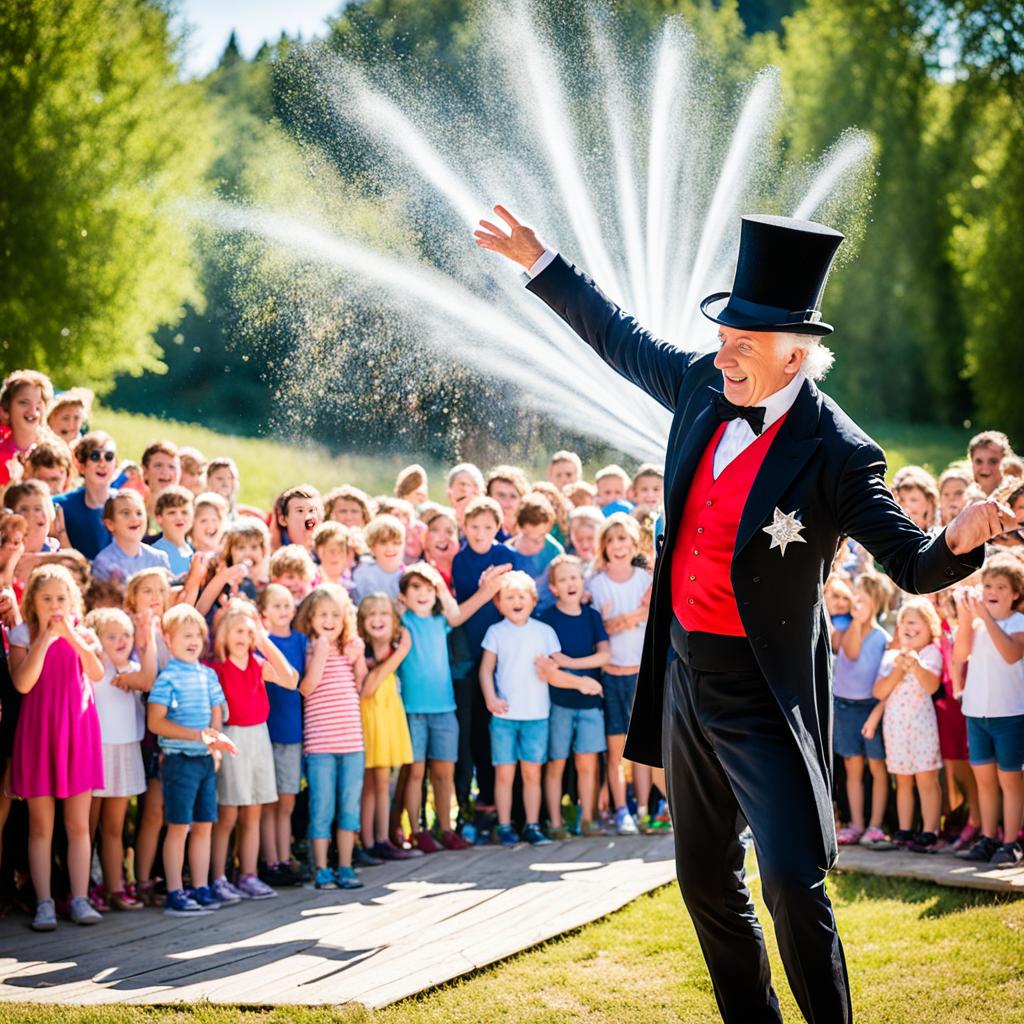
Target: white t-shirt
[994, 689]
[612, 599]
[122, 719]
[515, 678]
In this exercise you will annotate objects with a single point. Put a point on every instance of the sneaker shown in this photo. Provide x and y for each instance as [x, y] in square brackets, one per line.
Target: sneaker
[325, 879]
[468, 832]
[559, 834]
[967, 836]
[592, 829]
[346, 879]
[277, 875]
[206, 897]
[388, 851]
[180, 904]
[507, 835]
[253, 889]
[225, 893]
[425, 842]
[534, 836]
[625, 825]
[924, 842]
[1009, 855]
[849, 835]
[363, 858]
[982, 850]
[453, 841]
[902, 838]
[875, 839]
[98, 898]
[83, 912]
[46, 916]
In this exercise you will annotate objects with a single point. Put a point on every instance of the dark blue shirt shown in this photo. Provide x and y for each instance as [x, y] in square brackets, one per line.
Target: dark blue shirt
[578, 636]
[467, 568]
[84, 525]
[285, 721]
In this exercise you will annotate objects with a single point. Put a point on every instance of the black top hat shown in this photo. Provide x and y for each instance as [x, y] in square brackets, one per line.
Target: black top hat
[780, 274]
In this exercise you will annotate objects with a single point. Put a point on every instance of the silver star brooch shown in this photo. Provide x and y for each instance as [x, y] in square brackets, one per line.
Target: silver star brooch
[785, 529]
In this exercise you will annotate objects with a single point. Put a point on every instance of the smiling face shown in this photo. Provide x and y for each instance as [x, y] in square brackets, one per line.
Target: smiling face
[755, 364]
[222, 481]
[37, 511]
[128, 525]
[917, 505]
[420, 596]
[66, 422]
[379, 622]
[116, 640]
[619, 547]
[151, 594]
[609, 489]
[28, 408]
[951, 499]
[481, 531]
[998, 595]
[327, 620]
[161, 472]
[348, 512]
[207, 529]
[278, 609]
[913, 631]
[99, 467]
[441, 542]
[516, 604]
[175, 522]
[507, 496]
[985, 464]
[248, 549]
[649, 490]
[186, 643]
[463, 488]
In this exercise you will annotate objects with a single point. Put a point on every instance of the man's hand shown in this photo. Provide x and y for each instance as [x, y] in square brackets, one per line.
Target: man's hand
[977, 524]
[522, 246]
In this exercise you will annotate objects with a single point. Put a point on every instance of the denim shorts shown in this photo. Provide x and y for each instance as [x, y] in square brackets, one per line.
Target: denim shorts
[996, 739]
[575, 730]
[435, 736]
[618, 702]
[190, 788]
[850, 716]
[335, 792]
[514, 740]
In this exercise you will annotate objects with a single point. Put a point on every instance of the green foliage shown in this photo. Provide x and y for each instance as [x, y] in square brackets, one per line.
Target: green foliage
[101, 142]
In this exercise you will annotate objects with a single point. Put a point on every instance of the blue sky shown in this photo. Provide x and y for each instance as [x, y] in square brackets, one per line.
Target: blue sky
[254, 21]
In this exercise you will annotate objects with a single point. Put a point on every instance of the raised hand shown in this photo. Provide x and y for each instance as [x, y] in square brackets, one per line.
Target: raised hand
[977, 524]
[520, 245]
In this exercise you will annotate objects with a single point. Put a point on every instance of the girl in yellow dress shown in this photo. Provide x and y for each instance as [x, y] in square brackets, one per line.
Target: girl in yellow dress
[385, 729]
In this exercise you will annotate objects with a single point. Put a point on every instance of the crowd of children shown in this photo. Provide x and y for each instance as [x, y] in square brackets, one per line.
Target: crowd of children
[201, 701]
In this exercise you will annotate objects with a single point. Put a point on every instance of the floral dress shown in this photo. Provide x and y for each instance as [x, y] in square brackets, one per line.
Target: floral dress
[909, 725]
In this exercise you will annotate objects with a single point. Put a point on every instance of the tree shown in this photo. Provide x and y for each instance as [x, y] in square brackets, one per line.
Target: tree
[102, 143]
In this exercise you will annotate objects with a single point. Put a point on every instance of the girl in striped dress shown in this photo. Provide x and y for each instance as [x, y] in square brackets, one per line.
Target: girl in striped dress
[332, 731]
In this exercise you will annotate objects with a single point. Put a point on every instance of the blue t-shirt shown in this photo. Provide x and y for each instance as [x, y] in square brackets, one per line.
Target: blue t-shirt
[578, 636]
[619, 505]
[467, 568]
[425, 674]
[84, 525]
[369, 578]
[190, 692]
[113, 563]
[180, 558]
[537, 567]
[285, 720]
[855, 679]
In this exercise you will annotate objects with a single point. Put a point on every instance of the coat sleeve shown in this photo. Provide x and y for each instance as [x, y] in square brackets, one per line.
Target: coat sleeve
[651, 364]
[868, 512]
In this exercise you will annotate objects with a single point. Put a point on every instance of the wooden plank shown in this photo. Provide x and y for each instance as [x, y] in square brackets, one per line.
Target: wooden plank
[940, 868]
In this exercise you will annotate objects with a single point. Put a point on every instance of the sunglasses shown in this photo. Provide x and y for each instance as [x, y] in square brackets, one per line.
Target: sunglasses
[107, 456]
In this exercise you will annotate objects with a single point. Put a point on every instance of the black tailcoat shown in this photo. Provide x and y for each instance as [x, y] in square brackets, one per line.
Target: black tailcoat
[821, 466]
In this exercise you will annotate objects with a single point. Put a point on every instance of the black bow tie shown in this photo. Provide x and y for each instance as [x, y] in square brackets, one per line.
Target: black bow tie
[753, 414]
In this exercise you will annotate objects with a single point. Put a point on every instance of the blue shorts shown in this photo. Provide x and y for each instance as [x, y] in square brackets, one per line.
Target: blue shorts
[576, 730]
[996, 739]
[850, 716]
[618, 702]
[513, 740]
[335, 792]
[190, 788]
[435, 736]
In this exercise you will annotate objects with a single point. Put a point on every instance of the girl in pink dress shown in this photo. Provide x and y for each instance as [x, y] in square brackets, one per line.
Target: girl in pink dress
[908, 676]
[57, 749]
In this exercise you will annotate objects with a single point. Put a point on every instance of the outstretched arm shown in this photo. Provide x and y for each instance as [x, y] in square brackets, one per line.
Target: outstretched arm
[653, 365]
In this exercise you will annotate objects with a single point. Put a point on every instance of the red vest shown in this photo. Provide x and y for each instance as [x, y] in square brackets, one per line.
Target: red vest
[702, 596]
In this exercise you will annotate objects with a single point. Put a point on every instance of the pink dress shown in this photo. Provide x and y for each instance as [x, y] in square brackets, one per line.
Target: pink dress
[57, 746]
[909, 725]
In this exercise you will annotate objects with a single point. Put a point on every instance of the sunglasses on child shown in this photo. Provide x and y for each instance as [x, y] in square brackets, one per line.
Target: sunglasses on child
[107, 456]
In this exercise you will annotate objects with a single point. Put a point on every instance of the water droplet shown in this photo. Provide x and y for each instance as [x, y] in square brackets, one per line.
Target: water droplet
[64, 332]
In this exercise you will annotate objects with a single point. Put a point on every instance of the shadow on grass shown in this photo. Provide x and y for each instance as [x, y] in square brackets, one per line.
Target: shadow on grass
[937, 900]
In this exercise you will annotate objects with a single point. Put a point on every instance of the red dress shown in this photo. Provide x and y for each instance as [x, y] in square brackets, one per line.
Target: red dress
[952, 724]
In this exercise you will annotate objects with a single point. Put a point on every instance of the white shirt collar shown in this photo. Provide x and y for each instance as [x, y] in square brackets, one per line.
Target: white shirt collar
[777, 405]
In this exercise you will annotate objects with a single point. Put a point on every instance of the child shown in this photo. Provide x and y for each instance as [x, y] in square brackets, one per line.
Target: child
[990, 638]
[293, 569]
[565, 469]
[332, 545]
[193, 470]
[917, 493]
[124, 515]
[507, 485]
[441, 542]
[284, 723]
[612, 484]
[986, 452]
[385, 537]
[647, 491]
[581, 494]
[185, 710]
[122, 726]
[953, 486]
[246, 782]
[332, 733]
[535, 547]
[24, 396]
[349, 506]
[68, 412]
[173, 513]
[161, 468]
[296, 514]
[415, 529]
[96, 460]
[621, 592]
[57, 748]
[517, 698]
[242, 563]
[861, 649]
[385, 729]
[222, 478]
[838, 604]
[465, 482]
[411, 484]
[576, 720]
[31, 500]
[584, 523]
[209, 521]
[908, 676]
[560, 505]
[50, 462]
[12, 546]
[429, 695]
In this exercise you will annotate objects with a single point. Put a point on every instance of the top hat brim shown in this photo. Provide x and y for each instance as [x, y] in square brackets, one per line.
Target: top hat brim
[717, 309]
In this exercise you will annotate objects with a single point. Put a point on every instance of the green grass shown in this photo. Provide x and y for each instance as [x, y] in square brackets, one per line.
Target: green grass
[917, 954]
[267, 466]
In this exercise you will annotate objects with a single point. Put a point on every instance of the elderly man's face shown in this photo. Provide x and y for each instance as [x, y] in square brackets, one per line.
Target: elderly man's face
[755, 364]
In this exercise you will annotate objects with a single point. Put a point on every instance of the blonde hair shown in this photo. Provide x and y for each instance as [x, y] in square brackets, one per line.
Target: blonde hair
[18, 379]
[180, 615]
[990, 438]
[135, 581]
[518, 580]
[560, 560]
[348, 493]
[923, 607]
[238, 609]
[327, 592]
[384, 529]
[292, 558]
[567, 456]
[877, 589]
[481, 506]
[612, 470]
[269, 591]
[211, 499]
[248, 528]
[99, 618]
[627, 522]
[410, 479]
[1010, 568]
[365, 609]
[328, 531]
[42, 575]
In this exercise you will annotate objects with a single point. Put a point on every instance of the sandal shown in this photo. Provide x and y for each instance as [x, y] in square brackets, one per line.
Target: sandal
[849, 836]
[123, 900]
[98, 898]
[147, 895]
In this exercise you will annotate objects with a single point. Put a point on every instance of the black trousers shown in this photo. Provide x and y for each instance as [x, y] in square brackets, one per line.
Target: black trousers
[731, 760]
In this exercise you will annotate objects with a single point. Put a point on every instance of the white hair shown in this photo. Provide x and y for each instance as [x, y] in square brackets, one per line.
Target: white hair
[818, 358]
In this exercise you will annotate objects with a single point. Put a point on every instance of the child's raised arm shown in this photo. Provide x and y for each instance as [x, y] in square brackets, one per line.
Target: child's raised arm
[86, 646]
[490, 584]
[28, 666]
[966, 612]
[885, 684]
[601, 656]
[1009, 645]
[376, 675]
[494, 703]
[549, 671]
[926, 678]
[276, 669]
[228, 576]
[355, 651]
[315, 666]
[143, 678]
